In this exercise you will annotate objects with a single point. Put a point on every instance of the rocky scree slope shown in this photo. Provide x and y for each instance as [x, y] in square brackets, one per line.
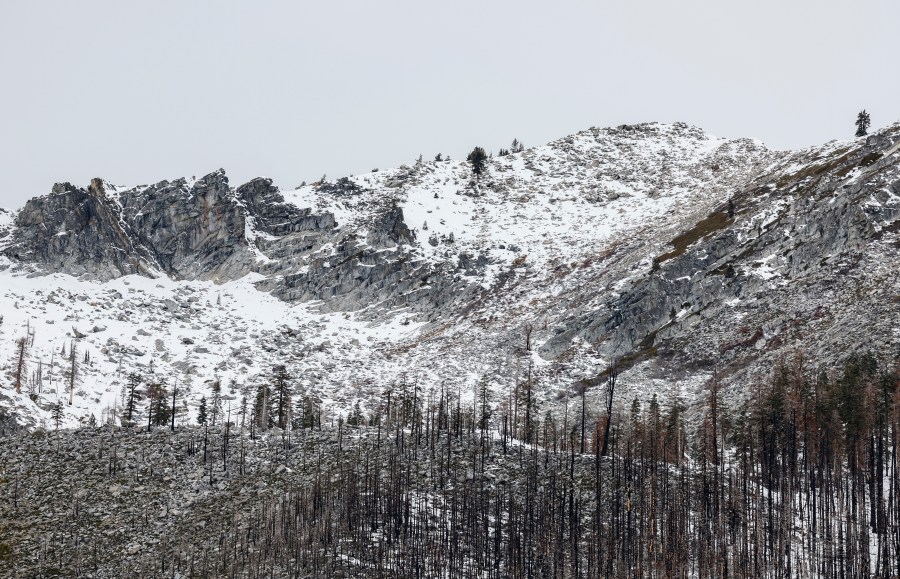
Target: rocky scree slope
[671, 251]
[801, 261]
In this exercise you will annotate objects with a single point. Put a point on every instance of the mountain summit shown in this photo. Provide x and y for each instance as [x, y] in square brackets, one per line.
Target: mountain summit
[659, 248]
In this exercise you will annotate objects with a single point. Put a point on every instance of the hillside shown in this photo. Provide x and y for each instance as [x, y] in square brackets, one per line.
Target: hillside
[660, 248]
[802, 483]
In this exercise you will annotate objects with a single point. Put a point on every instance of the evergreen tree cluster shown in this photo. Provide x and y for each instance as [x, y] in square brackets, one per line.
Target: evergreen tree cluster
[515, 147]
[274, 404]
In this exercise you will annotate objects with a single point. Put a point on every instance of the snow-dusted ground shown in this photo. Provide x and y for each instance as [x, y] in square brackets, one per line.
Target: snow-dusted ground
[194, 332]
[592, 206]
[566, 198]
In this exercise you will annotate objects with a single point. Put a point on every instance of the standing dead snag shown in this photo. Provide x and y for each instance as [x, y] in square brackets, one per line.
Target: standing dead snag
[20, 363]
[582, 391]
[174, 390]
[529, 403]
[713, 421]
[73, 372]
[611, 374]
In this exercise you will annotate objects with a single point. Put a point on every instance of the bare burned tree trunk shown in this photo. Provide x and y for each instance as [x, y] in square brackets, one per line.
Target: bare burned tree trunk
[73, 373]
[20, 364]
[174, 390]
[582, 391]
[611, 375]
[803, 483]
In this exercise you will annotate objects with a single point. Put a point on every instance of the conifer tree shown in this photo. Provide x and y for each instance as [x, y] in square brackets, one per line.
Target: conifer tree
[201, 411]
[307, 415]
[281, 398]
[215, 409]
[478, 158]
[134, 380]
[56, 414]
[862, 123]
[355, 418]
[158, 404]
[261, 405]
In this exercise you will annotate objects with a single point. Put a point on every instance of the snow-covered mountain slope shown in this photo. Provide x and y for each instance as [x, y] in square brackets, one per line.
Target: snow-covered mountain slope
[671, 251]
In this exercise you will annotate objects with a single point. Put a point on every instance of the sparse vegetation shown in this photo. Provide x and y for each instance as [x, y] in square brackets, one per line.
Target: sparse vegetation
[704, 228]
[341, 187]
[869, 159]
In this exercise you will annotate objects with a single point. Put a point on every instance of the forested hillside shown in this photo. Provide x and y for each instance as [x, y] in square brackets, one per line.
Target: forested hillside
[801, 481]
[639, 351]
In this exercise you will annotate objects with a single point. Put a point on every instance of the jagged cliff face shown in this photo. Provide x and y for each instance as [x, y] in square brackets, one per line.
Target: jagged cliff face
[205, 230]
[78, 231]
[195, 231]
[186, 230]
[659, 246]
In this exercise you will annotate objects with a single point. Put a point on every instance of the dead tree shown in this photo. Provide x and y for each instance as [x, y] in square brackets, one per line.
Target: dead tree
[611, 374]
[582, 391]
[73, 372]
[20, 364]
[174, 390]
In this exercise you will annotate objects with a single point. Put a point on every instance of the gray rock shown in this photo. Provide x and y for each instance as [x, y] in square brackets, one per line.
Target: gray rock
[829, 238]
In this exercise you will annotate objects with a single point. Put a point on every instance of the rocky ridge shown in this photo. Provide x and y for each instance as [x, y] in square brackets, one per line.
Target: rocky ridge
[675, 253]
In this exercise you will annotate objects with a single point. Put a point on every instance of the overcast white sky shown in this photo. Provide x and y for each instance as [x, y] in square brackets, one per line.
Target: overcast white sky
[137, 92]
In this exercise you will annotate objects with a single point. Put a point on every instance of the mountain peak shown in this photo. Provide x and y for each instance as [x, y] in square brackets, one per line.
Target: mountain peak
[657, 245]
